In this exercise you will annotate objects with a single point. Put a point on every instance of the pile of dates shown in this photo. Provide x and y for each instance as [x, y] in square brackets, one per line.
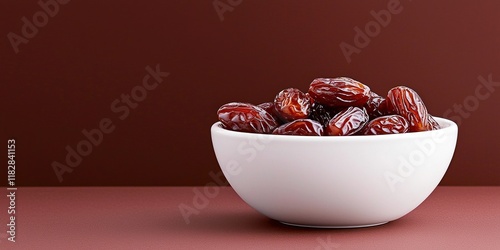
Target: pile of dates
[332, 107]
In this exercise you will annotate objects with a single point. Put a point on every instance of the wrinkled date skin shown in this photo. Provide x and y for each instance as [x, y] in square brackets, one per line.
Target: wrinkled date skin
[407, 103]
[269, 107]
[376, 106]
[246, 117]
[434, 125]
[339, 92]
[347, 122]
[305, 127]
[391, 124]
[321, 114]
[292, 104]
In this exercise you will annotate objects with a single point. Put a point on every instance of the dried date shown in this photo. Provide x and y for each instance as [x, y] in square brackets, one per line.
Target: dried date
[292, 104]
[246, 117]
[347, 122]
[339, 92]
[391, 124]
[406, 102]
[269, 107]
[433, 124]
[376, 106]
[305, 127]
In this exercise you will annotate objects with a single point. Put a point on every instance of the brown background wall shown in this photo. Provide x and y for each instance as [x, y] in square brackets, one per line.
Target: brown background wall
[90, 52]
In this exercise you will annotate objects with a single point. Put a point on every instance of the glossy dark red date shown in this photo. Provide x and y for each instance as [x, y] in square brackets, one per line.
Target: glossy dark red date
[376, 106]
[305, 127]
[339, 92]
[407, 103]
[433, 124]
[246, 117]
[269, 107]
[292, 104]
[391, 124]
[347, 122]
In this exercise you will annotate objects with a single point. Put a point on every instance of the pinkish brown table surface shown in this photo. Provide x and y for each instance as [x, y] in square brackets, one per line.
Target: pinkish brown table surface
[151, 218]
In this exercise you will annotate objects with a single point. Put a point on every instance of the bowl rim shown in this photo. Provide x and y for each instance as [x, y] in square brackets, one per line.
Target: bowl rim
[447, 126]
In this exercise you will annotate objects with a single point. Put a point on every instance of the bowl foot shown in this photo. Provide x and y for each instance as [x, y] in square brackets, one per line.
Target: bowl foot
[346, 226]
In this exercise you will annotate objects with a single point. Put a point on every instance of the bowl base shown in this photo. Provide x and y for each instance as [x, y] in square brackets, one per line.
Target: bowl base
[333, 226]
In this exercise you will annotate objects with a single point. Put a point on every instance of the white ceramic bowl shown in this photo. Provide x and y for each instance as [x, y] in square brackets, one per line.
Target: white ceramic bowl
[351, 181]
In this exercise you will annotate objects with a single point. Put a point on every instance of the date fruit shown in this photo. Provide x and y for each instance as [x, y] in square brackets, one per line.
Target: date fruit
[305, 127]
[291, 104]
[347, 122]
[339, 92]
[407, 103]
[269, 107]
[376, 106]
[391, 124]
[246, 117]
[433, 124]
